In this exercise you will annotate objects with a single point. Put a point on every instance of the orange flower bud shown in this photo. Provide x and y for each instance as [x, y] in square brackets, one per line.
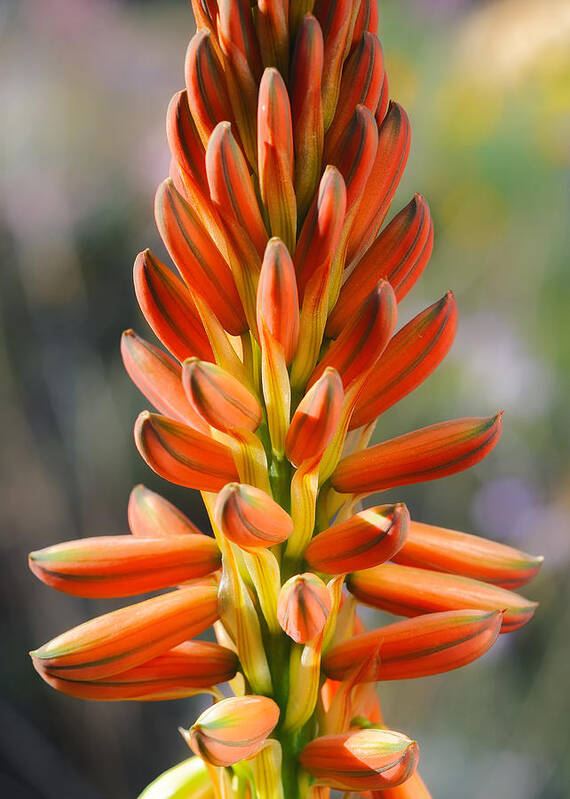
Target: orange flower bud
[361, 84]
[361, 343]
[398, 255]
[128, 637]
[275, 157]
[367, 20]
[169, 309]
[385, 174]
[207, 97]
[198, 259]
[232, 730]
[426, 454]
[183, 455]
[152, 516]
[315, 421]
[251, 518]
[303, 607]
[180, 672]
[185, 143]
[159, 378]
[272, 26]
[469, 555]
[368, 759]
[429, 644]
[370, 537]
[407, 591]
[337, 18]
[307, 110]
[122, 565]
[409, 359]
[277, 301]
[355, 154]
[218, 397]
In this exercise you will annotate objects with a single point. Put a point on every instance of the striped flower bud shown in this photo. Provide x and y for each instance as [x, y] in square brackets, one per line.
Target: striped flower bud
[122, 565]
[275, 157]
[303, 607]
[272, 27]
[169, 309]
[469, 555]
[128, 637]
[185, 144]
[315, 421]
[337, 18]
[429, 644]
[277, 302]
[183, 455]
[233, 729]
[207, 96]
[178, 673]
[409, 359]
[152, 516]
[189, 778]
[367, 20]
[426, 454]
[369, 759]
[251, 518]
[407, 591]
[218, 397]
[367, 539]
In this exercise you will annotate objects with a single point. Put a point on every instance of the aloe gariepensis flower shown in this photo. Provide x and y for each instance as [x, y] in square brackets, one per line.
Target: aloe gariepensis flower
[277, 322]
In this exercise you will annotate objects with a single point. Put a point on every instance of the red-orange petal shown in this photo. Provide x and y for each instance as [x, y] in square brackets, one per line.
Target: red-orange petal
[183, 455]
[169, 309]
[277, 300]
[409, 359]
[439, 549]
[315, 421]
[251, 518]
[207, 96]
[184, 141]
[152, 516]
[303, 607]
[429, 644]
[408, 591]
[337, 18]
[355, 155]
[426, 454]
[367, 539]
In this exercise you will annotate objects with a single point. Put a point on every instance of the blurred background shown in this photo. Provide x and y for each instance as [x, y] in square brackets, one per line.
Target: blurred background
[85, 86]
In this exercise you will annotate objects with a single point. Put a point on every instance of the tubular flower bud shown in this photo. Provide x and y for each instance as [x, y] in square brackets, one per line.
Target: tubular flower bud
[185, 144]
[315, 421]
[152, 516]
[128, 637]
[277, 303]
[250, 518]
[232, 730]
[207, 97]
[398, 255]
[303, 607]
[272, 27]
[429, 644]
[218, 397]
[407, 591]
[367, 20]
[189, 778]
[275, 157]
[409, 359]
[198, 259]
[183, 455]
[169, 309]
[159, 378]
[122, 565]
[469, 555]
[426, 454]
[368, 759]
[367, 539]
[180, 672]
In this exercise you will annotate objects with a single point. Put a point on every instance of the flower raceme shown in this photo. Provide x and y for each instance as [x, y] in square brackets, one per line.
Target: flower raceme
[279, 350]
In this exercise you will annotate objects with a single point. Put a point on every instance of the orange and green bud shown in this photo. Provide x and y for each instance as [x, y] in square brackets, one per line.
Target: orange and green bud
[408, 591]
[189, 778]
[370, 759]
[272, 28]
[122, 565]
[250, 517]
[152, 516]
[444, 550]
[409, 359]
[233, 729]
[303, 607]
[207, 97]
[277, 302]
[315, 421]
[128, 637]
[426, 454]
[429, 644]
[185, 144]
[367, 539]
[183, 455]
[187, 669]
[337, 19]
[169, 309]
[218, 397]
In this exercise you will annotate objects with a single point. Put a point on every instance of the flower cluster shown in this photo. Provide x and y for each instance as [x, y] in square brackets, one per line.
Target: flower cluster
[280, 352]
